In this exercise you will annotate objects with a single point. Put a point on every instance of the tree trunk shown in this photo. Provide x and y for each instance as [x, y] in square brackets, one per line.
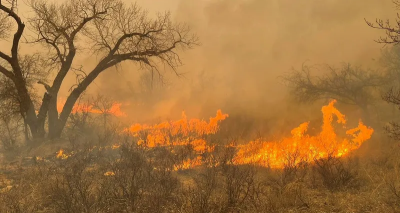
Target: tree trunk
[56, 130]
[58, 124]
[53, 115]
[37, 130]
[28, 110]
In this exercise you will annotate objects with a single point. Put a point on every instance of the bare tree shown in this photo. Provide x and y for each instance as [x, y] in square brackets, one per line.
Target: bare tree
[392, 30]
[393, 128]
[116, 33]
[10, 102]
[391, 61]
[348, 84]
[5, 26]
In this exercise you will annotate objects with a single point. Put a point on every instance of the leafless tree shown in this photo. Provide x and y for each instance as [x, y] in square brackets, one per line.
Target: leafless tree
[348, 84]
[392, 30]
[116, 33]
[5, 26]
[10, 102]
[391, 61]
[393, 128]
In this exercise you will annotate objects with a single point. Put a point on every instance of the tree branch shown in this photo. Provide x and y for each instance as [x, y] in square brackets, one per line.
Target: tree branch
[18, 34]
[7, 73]
[129, 35]
[5, 57]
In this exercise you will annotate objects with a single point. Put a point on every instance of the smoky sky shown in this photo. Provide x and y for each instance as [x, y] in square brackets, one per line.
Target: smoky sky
[245, 46]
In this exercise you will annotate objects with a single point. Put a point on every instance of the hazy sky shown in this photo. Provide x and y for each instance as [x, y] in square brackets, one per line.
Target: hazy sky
[246, 45]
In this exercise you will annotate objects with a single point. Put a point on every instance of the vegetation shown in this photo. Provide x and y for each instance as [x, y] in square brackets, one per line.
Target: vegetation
[98, 168]
[112, 30]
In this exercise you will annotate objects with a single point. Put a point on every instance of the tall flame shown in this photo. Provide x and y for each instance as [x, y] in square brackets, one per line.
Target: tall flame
[302, 147]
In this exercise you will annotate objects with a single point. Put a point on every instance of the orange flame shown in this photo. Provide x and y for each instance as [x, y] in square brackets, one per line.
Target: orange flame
[109, 173]
[189, 163]
[178, 133]
[61, 155]
[115, 109]
[304, 148]
[300, 147]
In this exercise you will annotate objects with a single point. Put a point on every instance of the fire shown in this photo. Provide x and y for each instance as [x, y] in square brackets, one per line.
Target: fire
[115, 109]
[109, 173]
[189, 163]
[178, 133]
[61, 154]
[298, 148]
[302, 147]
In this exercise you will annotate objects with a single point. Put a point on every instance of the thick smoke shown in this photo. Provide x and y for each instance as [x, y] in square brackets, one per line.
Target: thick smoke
[245, 46]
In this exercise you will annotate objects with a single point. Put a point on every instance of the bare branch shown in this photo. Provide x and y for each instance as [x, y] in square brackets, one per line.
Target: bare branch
[7, 73]
[46, 86]
[5, 57]
[20, 30]
[5, 26]
[348, 84]
[392, 30]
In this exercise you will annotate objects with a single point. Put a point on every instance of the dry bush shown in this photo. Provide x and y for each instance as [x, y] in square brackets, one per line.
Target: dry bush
[386, 169]
[295, 169]
[11, 132]
[392, 185]
[24, 195]
[137, 186]
[284, 188]
[337, 173]
[79, 129]
[203, 194]
[74, 185]
[281, 199]
[237, 184]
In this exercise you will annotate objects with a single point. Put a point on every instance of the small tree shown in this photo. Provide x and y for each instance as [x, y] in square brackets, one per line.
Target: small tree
[112, 30]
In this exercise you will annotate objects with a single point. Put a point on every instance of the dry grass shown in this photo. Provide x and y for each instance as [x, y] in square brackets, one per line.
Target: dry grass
[78, 184]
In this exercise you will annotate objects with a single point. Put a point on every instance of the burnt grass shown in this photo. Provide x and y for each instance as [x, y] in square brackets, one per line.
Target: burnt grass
[135, 179]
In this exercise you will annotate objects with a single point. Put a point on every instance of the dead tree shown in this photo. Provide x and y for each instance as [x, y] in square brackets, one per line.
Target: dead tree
[112, 30]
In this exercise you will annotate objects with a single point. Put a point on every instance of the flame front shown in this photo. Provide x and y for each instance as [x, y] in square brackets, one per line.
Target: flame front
[302, 147]
[178, 133]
